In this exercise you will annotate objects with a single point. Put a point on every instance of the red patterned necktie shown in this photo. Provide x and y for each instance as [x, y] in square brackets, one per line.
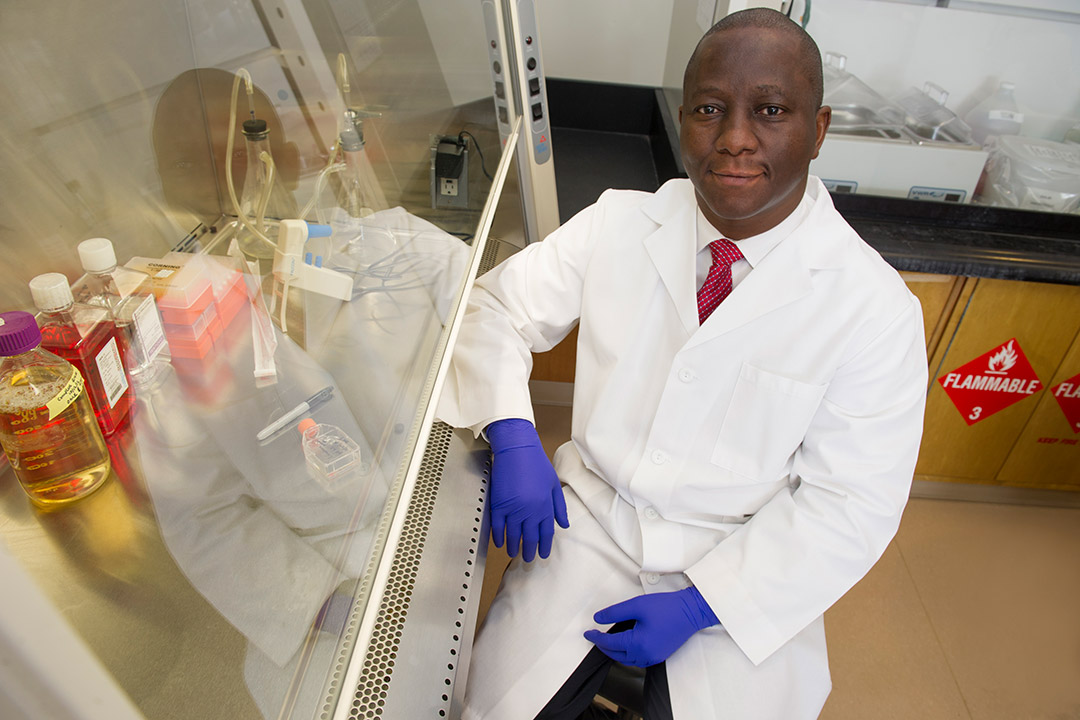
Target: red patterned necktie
[718, 282]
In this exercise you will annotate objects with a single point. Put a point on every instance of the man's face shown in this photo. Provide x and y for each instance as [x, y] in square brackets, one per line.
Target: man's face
[750, 126]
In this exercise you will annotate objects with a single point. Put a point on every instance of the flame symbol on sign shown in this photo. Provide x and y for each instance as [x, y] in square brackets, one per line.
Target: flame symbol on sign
[1000, 363]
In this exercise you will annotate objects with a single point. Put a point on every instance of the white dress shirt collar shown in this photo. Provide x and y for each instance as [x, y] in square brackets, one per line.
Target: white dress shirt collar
[756, 247]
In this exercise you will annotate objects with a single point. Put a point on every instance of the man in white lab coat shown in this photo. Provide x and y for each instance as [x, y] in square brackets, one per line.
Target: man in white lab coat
[730, 476]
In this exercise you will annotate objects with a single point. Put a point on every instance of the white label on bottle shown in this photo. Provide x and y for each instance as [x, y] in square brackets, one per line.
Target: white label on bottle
[148, 331]
[111, 370]
[1007, 115]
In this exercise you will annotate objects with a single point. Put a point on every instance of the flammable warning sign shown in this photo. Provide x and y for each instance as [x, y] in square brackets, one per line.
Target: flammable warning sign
[1067, 394]
[991, 382]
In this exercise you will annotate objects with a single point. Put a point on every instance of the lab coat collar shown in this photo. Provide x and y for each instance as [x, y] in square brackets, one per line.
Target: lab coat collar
[672, 246]
[783, 276]
[824, 237]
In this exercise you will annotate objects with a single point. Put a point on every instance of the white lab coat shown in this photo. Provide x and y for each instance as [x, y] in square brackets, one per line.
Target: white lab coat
[765, 456]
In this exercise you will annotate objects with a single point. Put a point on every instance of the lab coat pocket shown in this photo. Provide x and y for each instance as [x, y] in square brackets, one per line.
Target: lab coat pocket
[764, 423]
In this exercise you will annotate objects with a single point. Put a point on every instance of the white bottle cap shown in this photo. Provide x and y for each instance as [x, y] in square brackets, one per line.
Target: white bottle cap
[51, 291]
[97, 254]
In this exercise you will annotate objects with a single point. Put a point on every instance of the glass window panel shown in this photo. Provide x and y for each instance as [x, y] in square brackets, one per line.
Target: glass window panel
[215, 574]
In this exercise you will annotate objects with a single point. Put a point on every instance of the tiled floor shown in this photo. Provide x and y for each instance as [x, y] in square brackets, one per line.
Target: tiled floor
[972, 613]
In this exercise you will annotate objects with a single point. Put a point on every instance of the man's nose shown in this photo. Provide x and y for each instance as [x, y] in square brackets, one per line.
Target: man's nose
[736, 135]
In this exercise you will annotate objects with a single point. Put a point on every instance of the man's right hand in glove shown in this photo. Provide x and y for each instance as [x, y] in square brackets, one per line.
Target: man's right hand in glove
[526, 496]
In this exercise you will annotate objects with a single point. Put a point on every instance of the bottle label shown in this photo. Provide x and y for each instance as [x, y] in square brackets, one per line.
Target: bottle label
[1007, 115]
[148, 330]
[111, 370]
[68, 394]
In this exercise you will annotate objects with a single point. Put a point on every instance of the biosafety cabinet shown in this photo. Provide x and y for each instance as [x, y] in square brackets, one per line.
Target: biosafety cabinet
[226, 568]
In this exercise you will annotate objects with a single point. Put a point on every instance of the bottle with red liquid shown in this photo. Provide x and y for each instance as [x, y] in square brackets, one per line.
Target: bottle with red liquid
[47, 427]
[87, 338]
[129, 297]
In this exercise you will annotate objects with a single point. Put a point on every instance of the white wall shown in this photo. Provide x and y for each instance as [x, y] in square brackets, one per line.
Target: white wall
[891, 46]
[613, 41]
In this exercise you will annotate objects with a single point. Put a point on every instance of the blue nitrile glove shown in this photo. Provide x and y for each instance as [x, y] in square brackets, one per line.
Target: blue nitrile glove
[526, 496]
[664, 621]
[334, 613]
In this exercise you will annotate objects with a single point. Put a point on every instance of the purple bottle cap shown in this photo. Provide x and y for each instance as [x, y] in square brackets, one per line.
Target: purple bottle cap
[19, 332]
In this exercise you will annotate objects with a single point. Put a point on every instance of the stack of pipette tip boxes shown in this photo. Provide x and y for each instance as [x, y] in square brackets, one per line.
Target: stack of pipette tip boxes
[200, 298]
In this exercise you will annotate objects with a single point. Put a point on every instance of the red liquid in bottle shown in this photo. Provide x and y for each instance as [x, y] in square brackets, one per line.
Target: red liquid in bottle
[95, 351]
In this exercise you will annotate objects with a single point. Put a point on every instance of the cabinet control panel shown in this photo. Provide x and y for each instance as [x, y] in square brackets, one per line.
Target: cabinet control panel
[500, 67]
[535, 103]
[517, 76]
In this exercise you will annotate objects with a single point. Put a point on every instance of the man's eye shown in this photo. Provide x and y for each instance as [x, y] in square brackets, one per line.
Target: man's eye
[772, 110]
[708, 109]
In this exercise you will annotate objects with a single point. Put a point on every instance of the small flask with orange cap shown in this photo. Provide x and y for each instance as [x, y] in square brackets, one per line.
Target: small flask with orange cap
[333, 458]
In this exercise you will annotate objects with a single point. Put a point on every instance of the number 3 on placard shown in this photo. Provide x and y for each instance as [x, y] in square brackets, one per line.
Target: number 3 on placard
[975, 412]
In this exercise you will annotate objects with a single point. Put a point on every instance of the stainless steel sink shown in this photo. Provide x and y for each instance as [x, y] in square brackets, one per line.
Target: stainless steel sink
[939, 133]
[862, 121]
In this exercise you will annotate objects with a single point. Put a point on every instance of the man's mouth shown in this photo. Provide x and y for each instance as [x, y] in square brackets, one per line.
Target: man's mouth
[737, 177]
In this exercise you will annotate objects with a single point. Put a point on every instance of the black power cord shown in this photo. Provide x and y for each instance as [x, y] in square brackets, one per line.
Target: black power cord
[461, 141]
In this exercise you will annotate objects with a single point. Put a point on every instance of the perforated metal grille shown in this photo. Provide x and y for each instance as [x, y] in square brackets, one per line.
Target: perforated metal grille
[488, 259]
[373, 687]
[333, 687]
[379, 662]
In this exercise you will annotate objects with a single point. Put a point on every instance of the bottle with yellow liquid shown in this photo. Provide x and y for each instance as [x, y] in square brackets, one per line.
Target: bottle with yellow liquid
[47, 427]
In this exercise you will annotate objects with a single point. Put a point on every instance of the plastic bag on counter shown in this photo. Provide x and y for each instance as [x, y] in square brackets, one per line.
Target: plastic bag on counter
[1031, 174]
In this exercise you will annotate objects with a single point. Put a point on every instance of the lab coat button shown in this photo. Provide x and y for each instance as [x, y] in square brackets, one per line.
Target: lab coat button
[686, 375]
[659, 457]
[652, 578]
[651, 513]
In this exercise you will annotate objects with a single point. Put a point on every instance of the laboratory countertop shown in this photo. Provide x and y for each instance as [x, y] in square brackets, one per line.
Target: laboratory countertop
[913, 235]
[969, 240]
[223, 571]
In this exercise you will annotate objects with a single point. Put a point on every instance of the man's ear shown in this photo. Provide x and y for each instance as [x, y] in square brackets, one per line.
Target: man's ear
[821, 122]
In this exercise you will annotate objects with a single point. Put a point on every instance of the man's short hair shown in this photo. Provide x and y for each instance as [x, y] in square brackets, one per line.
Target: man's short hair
[768, 19]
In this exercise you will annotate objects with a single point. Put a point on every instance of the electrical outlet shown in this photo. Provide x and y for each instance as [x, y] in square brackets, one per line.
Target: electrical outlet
[449, 173]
